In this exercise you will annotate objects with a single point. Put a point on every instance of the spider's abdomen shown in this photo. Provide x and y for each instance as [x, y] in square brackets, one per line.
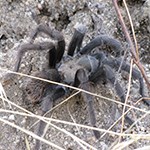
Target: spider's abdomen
[35, 89]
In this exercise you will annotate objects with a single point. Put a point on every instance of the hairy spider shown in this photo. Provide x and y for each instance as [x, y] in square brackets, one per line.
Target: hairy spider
[84, 66]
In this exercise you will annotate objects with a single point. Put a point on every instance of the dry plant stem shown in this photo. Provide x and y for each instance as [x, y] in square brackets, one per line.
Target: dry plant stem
[3, 94]
[143, 148]
[128, 130]
[78, 140]
[142, 136]
[57, 106]
[78, 129]
[128, 38]
[122, 145]
[128, 92]
[132, 28]
[71, 87]
[27, 143]
[124, 115]
[68, 109]
[46, 120]
[30, 133]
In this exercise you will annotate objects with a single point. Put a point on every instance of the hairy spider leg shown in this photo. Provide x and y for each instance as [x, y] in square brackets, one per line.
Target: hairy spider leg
[52, 58]
[100, 41]
[77, 39]
[54, 92]
[47, 104]
[28, 47]
[82, 81]
[116, 63]
[22, 49]
[111, 77]
[105, 72]
[54, 34]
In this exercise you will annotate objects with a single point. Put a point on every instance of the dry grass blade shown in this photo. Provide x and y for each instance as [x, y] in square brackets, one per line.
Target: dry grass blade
[122, 145]
[74, 137]
[142, 117]
[31, 134]
[57, 106]
[78, 129]
[132, 28]
[45, 119]
[129, 40]
[124, 115]
[3, 94]
[27, 143]
[143, 148]
[104, 12]
[74, 124]
[127, 95]
[78, 89]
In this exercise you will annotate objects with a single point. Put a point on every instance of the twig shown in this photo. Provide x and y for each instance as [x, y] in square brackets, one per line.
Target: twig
[56, 107]
[127, 95]
[132, 28]
[122, 116]
[128, 38]
[30, 133]
[71, 87]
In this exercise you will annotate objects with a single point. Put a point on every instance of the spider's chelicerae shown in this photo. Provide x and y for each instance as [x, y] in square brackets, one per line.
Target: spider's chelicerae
[84, 66]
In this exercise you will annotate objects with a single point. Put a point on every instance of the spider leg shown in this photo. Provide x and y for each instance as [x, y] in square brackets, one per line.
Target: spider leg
[77, 39]
[59, 92]
[99, 72]
[111, 77]
[47, 104]
[54, 34]
[100, 41]
[38, 91]
[81, 80]
[135, 74]
[27, 47]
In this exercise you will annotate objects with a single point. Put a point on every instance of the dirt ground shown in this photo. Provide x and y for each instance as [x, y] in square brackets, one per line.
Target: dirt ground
[19, 17]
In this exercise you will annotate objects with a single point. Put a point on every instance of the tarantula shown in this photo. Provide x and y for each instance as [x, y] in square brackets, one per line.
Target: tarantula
[84, 66]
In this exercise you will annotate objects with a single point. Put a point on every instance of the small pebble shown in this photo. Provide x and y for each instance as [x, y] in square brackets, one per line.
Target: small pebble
[39, 6]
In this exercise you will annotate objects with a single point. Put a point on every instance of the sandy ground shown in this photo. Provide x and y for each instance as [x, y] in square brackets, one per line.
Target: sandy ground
[19, 18]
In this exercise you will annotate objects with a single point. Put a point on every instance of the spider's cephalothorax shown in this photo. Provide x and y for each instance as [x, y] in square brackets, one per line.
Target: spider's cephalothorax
[80, 67]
